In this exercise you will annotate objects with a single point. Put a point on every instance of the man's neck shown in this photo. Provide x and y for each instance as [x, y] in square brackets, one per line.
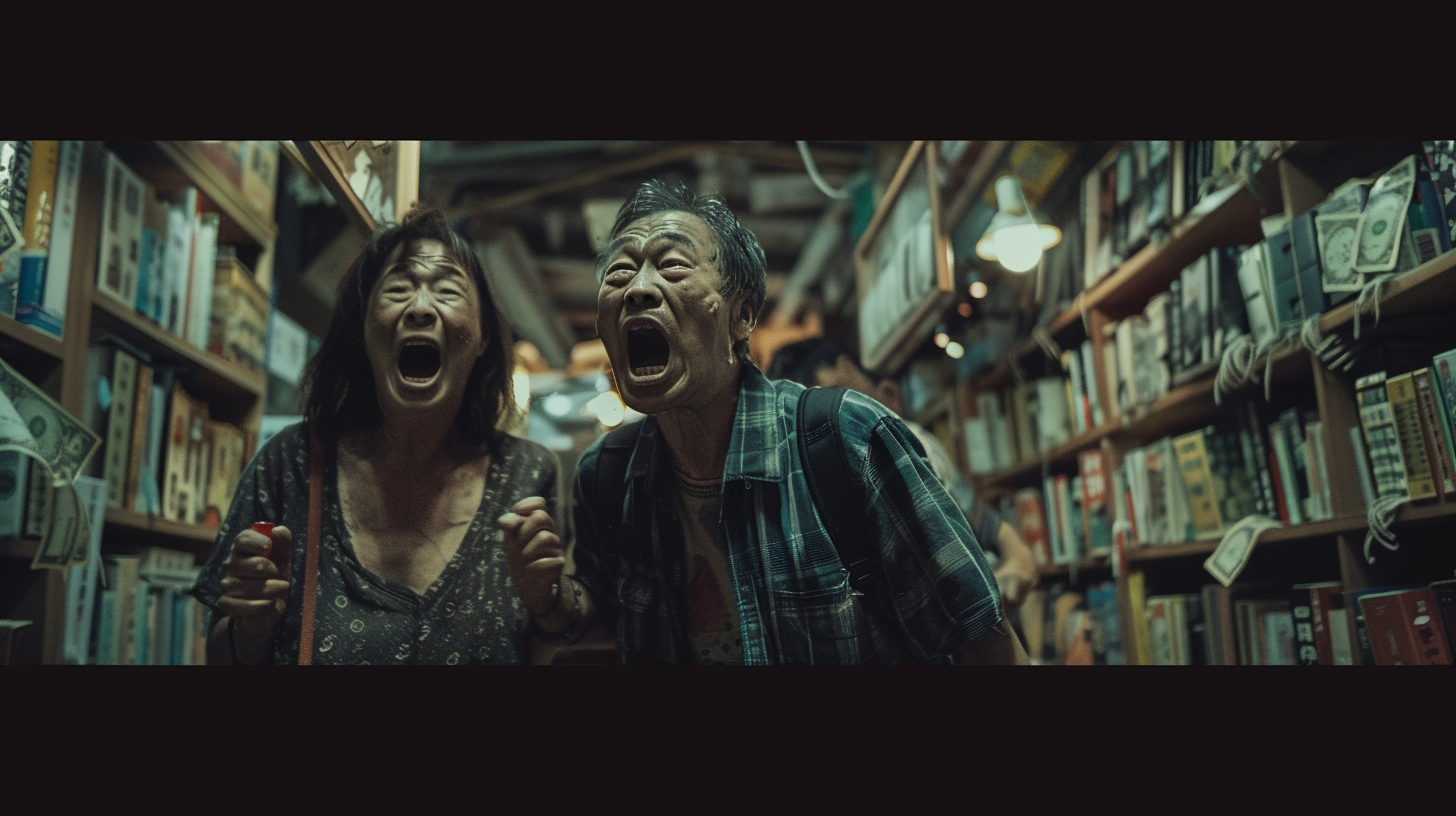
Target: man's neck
[698, 437]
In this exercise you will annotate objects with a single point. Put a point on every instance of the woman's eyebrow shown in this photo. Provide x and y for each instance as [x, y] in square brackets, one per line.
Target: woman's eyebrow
[438, 265]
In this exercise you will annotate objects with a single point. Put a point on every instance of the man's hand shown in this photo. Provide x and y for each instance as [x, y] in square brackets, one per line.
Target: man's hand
[536, 555]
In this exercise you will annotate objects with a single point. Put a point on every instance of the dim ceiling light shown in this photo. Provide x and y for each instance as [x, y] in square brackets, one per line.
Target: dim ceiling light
[955, 350]
[978, 289]
[941, 339]
[1013, 237]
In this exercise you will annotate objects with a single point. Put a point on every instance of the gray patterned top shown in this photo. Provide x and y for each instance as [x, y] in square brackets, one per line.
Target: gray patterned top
[470, 614]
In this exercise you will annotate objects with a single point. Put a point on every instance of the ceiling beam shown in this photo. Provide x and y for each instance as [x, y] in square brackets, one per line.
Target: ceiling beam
[683, 151]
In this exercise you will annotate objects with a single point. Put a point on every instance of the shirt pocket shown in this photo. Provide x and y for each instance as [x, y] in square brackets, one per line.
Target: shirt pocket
[825, 624]
[638, 591]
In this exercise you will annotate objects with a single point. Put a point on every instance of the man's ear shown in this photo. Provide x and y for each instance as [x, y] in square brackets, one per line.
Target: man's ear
[744, 321]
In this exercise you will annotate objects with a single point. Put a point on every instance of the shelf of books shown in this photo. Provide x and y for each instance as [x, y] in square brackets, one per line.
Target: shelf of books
[1236, 443]
[141, 313]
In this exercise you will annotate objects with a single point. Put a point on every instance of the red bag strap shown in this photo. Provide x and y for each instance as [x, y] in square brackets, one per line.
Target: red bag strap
[311, 547]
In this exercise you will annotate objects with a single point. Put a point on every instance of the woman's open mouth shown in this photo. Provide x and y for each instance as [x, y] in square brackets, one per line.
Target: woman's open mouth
[647, 352]
[419, 362]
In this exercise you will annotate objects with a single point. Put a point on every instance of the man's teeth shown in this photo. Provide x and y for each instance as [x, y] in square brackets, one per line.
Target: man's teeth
[648, 371]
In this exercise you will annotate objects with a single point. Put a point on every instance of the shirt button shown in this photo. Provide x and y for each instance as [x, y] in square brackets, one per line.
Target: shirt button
[449, 608]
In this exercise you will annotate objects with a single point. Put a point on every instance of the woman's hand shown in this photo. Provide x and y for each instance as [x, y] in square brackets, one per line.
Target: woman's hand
[254, 589]
[536, 555]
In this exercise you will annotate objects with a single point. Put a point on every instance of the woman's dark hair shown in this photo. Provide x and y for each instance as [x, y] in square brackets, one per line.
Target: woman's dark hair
[339, 383]
[739, 258]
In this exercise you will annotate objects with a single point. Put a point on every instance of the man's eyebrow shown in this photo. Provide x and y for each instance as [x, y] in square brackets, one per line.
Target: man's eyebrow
[677, 237]
[670, 235]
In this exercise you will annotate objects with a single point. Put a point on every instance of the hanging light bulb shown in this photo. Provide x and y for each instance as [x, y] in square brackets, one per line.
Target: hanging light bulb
[1014, 238]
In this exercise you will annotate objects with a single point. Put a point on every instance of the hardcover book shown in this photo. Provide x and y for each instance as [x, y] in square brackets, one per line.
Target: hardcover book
[1405, 629]
[1311, 632]
[1031, 523]
[1292, 487]
[1438, 448]
[1382, 441]
[1406, 414]
[121, 232]
[1198, 483]
[1097, 510]
[1361, 651]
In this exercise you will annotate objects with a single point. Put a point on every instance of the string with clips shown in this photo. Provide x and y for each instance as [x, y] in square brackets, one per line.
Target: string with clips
[1239, 366]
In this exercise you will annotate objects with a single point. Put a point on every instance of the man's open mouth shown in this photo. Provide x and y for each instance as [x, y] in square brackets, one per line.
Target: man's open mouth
[647, 351]
[419, 362]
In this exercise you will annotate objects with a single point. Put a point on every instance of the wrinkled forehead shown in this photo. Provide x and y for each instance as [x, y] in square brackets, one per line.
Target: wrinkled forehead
[670, 225]
[421, 251]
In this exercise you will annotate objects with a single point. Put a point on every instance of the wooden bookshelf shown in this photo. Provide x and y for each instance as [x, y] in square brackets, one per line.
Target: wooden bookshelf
[21, 548]
[1411, 305]
[219, 375]
[17, 340]
[58, 367]
[195, 538]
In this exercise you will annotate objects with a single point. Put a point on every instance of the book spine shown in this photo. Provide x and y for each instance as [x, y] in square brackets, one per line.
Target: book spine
[1095, 416]
[1293, 505]
[1423, 627]
[1198, 482]
[1314, 467]
[1434, 431]
[1382, 443]
[119, 427]
[141, 425]
[1301, 607]
[1406, 415]
[1444, 594]
[1096, 511]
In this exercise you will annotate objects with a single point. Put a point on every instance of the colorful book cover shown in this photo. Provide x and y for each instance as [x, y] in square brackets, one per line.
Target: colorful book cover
[121, 232]
[1404, 628]
[1031, 523]
[1443, 470]
[1096, 494]
[1198, 483]
[1406, 414]
[1382, 441]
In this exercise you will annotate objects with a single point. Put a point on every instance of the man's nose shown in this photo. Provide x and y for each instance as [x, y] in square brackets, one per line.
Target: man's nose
[643, 291]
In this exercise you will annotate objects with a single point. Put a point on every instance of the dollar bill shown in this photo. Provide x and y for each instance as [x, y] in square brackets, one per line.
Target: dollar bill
[1232, 553]
[1336, 234]
[10, 246]
[67, 531]
[33, 423]
[1383, 221]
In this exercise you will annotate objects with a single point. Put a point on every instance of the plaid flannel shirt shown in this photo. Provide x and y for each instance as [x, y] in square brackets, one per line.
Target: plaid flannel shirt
[793, 597]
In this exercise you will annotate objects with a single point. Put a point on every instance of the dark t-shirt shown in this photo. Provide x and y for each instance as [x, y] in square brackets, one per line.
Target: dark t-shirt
[470, 614]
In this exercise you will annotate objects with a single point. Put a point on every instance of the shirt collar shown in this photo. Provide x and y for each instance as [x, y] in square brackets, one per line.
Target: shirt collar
[753, 450]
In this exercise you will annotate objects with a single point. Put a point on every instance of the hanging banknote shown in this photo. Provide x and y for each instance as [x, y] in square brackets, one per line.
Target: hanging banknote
[1233, 551]
[1378, 244]
[34, 424]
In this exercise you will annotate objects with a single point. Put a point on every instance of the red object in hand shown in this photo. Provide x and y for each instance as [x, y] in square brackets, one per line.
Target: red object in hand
[266, 528]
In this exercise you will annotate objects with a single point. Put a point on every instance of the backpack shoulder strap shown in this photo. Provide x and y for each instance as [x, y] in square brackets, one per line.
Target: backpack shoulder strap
[827, 469]
[610, 487]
